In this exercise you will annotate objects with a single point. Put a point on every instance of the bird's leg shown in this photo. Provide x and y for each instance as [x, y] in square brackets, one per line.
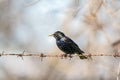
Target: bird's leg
[70, 56]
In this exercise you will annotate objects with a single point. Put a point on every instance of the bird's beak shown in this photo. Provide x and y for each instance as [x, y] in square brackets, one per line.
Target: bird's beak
[51, 35]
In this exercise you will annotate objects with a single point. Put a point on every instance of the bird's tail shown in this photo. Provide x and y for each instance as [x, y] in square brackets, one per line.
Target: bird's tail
[81, 56]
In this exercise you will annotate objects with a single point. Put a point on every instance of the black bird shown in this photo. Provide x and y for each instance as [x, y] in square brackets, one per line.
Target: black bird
[67, 45]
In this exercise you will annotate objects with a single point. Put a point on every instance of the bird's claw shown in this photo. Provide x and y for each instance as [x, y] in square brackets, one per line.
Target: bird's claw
[64, 56]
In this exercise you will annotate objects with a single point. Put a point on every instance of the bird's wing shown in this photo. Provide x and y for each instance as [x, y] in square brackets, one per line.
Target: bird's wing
[72, 44]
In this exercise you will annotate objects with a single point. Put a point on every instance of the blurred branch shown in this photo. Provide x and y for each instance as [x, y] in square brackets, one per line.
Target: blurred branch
[118, 74]
[116, 43]
[31, 3]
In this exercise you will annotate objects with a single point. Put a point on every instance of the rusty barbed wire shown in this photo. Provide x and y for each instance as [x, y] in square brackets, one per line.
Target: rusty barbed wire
[42, 55]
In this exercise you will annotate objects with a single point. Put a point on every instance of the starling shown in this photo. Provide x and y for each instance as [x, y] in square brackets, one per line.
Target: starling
[67, 45]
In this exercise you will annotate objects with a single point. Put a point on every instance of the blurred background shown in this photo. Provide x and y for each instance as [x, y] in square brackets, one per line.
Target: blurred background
[25, 25]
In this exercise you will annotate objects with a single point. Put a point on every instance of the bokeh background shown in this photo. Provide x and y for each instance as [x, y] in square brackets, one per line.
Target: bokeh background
[25, 25]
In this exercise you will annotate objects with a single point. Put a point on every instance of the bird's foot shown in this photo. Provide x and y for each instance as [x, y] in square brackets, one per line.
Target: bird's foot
[64, 56]
[89, 57]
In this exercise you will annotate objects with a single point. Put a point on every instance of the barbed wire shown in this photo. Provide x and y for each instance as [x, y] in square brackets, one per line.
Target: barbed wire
[3, 53]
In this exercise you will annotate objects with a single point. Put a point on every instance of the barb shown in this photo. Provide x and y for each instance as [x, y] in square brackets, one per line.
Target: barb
[41, 56]
[21, 55]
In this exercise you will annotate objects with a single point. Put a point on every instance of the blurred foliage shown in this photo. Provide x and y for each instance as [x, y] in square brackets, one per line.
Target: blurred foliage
[92, 24]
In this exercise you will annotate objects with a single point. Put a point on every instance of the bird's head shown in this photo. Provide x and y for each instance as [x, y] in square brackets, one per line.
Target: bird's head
[58, 35]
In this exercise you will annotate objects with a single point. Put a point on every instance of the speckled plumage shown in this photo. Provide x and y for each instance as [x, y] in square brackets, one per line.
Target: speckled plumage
[67, 45]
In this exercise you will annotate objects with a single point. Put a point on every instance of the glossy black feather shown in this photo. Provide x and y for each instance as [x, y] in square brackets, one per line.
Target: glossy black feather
[67, 45]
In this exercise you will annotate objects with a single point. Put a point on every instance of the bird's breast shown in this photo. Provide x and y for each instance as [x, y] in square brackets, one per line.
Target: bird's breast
[64, 47]
[60, 43]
